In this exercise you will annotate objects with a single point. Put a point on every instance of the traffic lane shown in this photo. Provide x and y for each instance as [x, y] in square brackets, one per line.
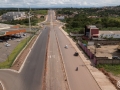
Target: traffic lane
[32, 72]
[53, 15]
[49, 16]
[55, 71]
[78, 80]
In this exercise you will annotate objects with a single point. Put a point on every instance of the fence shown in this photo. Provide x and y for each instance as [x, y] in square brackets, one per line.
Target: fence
[87, 51]
[104, 42]
[106, 60]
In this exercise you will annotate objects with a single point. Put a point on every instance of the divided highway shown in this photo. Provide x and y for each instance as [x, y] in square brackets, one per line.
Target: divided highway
[30, 77]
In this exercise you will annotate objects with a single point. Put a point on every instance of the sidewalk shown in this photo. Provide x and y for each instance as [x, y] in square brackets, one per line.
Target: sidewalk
[100, 78]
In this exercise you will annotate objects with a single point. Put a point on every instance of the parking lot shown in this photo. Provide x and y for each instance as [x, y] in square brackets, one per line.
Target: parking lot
[105, 51]
[6, 47]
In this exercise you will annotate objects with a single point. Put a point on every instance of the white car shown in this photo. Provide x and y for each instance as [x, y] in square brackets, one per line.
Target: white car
[7, 45]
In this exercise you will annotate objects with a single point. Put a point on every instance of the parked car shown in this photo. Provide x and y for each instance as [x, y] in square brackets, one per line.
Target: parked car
[115, 57]
[24, 34]
[7, 45]
[1, 40]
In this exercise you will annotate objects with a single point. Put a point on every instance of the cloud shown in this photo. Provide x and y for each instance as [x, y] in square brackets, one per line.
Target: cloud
[45, 3]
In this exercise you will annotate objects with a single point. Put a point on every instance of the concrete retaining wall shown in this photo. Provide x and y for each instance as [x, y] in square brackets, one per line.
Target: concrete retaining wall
[105, 60]
[104, 42]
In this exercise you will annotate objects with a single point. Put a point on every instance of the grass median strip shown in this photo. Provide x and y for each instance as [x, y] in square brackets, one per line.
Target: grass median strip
[10, 59]
[115, 69]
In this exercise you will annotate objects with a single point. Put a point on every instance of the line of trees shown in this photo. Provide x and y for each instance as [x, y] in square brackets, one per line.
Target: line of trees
[81, 18]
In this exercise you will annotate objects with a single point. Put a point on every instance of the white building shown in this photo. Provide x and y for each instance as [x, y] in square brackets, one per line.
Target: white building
[109, 34]
[13, 15]
[60, 17]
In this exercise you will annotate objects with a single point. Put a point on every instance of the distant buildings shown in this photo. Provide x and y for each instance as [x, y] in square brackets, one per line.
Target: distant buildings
[109, 34]
[13, 16]
[92, 32]
[60, 17]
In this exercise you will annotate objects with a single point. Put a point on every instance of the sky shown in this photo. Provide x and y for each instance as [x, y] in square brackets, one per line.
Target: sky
[58, 3]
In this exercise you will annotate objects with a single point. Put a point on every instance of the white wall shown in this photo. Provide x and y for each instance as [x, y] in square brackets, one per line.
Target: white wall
[76, 34]
[61, 17]
[110, 35]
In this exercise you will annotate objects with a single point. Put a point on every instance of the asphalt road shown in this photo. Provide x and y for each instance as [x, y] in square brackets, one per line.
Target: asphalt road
[54, 77]
[78, 80]
[30, 78]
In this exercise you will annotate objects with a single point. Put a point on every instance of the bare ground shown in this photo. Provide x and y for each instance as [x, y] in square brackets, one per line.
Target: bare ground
[105, 51]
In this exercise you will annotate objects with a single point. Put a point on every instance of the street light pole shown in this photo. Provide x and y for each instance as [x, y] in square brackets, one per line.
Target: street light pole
[29, 22]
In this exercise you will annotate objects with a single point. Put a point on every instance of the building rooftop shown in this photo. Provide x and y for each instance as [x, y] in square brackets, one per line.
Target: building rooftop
[109, 32]
[92, 27]
[4, 26]
[12, 29]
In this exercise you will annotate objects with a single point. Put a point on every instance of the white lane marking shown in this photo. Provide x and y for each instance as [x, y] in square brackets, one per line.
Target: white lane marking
[50, 56]
[2, 85]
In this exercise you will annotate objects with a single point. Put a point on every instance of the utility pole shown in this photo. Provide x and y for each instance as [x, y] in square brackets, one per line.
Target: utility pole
[29, 21]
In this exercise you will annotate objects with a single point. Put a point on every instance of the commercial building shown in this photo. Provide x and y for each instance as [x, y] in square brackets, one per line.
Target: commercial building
[91, 31]
[14, 30]
[109, 34]
[13, 16]
[60, 17]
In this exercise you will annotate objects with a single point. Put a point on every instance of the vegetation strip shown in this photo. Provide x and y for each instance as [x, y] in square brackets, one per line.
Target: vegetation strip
[13, 55]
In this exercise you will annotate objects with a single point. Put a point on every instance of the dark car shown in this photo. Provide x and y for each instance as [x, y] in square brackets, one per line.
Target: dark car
[115, 57]
[1, 40]
[76, 54]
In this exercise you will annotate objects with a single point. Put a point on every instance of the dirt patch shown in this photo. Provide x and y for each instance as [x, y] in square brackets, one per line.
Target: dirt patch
[105, 51]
